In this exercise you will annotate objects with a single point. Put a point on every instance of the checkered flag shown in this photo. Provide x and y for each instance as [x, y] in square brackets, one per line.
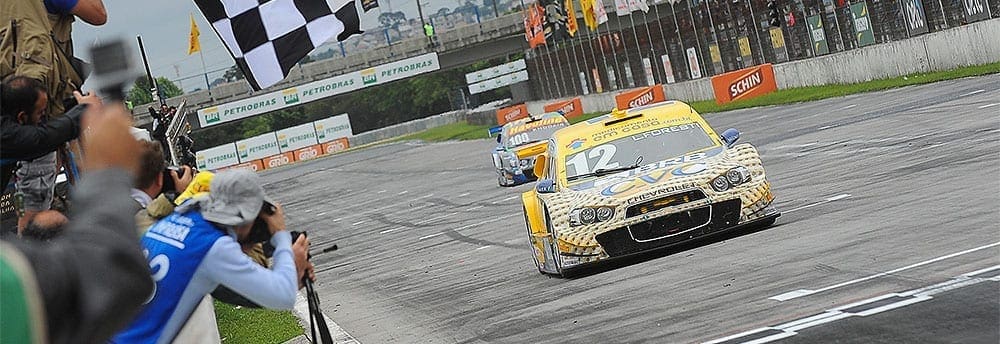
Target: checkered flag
[268, 37]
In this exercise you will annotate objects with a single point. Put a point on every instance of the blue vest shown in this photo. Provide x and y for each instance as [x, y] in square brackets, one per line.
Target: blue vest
[174, 248]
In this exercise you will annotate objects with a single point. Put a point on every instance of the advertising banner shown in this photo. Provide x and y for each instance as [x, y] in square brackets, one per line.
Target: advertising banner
[819, 45]
[862, 26]
[336, 145]
[640, 97]
[913, 11]
[333, 128]
[744, 83]
[778, 44]
[257, 147]
[975, 10]
[647, 66]
[746, 55]
[692, 56]
[498, 82]
[307, 153]
[492, 72]
[668, 69]
[278, 160]
[320, 89]
[597, 80]
[511, 113]
[713, 50]
[296, 137]
[217, 157]
[255, 165]
[570, 108]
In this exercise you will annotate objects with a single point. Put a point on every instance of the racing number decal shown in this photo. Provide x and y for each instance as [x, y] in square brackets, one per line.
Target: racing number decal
[603, 154]
[518, 139]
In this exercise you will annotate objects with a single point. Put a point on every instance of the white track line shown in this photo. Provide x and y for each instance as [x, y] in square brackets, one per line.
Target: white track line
[828, 200]
[973, 92]
[805, 292]
[989, 105]
[468, 226]
[301, 310]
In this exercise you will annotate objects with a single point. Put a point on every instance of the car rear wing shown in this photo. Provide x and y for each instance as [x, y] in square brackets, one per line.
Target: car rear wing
[495, 130]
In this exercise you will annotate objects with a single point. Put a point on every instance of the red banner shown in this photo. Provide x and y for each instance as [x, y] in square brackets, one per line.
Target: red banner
[335, 145]
[534, 32]
[640, 97]
[511, 113]
[744, 83]
[307, 153]
[278, 160]
[254, 165]
[570, 108]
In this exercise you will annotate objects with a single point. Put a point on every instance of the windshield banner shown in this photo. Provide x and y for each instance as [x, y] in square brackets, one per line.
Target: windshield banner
[570, 108]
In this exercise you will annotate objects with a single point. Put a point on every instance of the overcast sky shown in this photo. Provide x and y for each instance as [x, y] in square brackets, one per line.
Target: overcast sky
[164, 27]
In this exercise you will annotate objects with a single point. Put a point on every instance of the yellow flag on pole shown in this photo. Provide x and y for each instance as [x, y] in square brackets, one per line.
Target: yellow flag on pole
[194, 44]
[589, 16]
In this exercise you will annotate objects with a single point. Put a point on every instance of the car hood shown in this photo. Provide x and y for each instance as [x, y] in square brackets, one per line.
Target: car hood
[688, 171]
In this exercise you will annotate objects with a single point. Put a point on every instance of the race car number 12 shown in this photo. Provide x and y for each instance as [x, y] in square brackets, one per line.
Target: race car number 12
[581, 161]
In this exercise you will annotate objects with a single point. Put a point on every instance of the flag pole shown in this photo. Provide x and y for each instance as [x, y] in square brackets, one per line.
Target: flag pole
[635, 35]
[697, 41]
[680, 40]
[652, 52]
[204, 71]
[628, 62]
[663, 37]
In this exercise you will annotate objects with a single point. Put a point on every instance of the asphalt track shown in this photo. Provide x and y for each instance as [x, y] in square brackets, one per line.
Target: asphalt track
[890, 200]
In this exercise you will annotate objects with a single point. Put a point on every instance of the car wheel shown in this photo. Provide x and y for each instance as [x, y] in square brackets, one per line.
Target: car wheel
[534, 256]
[554, 246]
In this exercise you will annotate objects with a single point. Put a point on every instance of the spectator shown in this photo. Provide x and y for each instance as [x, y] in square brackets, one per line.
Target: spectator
[199, 243]
[88, 283]
[24, 136]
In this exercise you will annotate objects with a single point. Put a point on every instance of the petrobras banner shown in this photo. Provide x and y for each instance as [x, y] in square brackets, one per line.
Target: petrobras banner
[333, 128]
[499, 82]
[320, 89]
[296, 137]
[493, 72]
[257, 147]
[217, 157]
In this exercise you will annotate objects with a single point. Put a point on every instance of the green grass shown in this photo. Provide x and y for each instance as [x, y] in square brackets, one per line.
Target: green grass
[466, 131]
[246, 325]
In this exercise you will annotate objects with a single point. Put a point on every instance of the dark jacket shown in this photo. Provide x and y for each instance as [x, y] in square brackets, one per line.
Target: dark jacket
[26, 142]
[94, 277]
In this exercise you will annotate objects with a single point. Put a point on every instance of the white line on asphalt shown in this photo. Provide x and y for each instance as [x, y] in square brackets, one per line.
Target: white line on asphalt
[476, 207]
[482, 247]
[468, 226]
[463, 194]
[849, 106]
[825, 127]
[403, 192]
[387, 231]
[358, 223]
[340, 336]
[338, 219]
[804, 292]
[971, 93]
[989, 105]
[828, 200]
[910, 297]
[381, 191]
[321, 214]
[506, 199]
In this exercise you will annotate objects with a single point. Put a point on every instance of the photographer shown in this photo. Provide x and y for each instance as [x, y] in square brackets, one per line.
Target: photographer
[25, 136]
[196, 249]
[152, 201]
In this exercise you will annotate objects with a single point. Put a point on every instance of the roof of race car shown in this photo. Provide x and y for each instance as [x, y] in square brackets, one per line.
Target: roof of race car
[669, 110]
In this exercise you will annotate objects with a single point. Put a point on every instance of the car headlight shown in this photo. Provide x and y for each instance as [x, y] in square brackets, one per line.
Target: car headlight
[734, 177]
[720, 184]
[589, 215]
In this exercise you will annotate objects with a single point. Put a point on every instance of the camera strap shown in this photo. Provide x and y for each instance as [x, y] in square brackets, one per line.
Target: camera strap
[316, 315]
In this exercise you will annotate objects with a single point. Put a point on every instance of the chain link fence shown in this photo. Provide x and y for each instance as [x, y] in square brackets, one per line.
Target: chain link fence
[690, 39]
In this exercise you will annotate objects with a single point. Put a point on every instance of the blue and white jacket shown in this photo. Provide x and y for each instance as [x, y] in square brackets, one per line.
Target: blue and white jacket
[189, 257]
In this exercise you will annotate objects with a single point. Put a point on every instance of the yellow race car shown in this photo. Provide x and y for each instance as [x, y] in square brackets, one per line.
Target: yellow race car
[640, 179]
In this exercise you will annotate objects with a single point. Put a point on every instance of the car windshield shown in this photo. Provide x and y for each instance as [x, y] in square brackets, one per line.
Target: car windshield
[653, 145]
[535, 131]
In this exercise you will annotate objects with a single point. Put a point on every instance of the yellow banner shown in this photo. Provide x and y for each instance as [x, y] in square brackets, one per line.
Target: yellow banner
[777, 38]
[571, 23]
[194, 44]
[744, 46]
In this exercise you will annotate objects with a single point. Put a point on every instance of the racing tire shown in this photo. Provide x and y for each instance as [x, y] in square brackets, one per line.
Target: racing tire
[534, 257]
[554, 249]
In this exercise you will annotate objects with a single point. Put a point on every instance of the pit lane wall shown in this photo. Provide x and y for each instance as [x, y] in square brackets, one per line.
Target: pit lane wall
[967, 45]
[279, 148]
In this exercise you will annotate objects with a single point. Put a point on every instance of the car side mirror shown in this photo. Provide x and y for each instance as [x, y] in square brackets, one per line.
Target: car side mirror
[545, 186]
[730, 136]
[539, 168]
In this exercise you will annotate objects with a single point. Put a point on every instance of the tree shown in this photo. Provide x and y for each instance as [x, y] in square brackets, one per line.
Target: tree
[139, 93]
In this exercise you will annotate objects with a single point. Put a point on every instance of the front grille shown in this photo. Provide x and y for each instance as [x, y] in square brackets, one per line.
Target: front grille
[663, 202]
[670, 229]
[670, 225]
